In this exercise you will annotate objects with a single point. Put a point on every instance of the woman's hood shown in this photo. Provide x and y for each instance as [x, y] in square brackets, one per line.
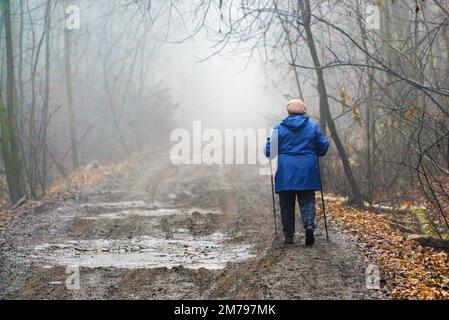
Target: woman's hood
[295, 122]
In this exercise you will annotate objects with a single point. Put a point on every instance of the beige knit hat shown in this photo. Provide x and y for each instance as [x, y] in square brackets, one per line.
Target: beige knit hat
[296, 106]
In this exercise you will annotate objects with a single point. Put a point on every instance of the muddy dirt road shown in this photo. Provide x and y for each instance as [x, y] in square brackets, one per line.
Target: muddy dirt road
[164, 231]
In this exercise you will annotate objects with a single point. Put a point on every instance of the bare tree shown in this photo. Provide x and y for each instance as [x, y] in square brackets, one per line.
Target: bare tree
[9, 139]
[69, 91]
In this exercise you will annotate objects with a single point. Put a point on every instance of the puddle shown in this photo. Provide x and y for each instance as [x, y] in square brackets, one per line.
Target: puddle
[159, 212]
[208, 252]
[117, 205]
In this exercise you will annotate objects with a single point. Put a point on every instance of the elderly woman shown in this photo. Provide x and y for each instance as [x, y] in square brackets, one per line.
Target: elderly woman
[297, 142]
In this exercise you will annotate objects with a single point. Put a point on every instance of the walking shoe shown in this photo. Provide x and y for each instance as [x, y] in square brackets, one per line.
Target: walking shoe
[310, 238]
[288, 240]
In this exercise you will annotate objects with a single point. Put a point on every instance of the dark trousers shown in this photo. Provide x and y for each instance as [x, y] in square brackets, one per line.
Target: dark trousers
[287, 200]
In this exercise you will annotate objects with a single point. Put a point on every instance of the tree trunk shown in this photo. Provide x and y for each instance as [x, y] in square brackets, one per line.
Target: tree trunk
[432, 242]
[46, 97]
[20, 67]
[323, 116]
[69, 91]
[386, 33]
[425, 225]
[10, 148]
[33, 135]
[369, 109]
[446, 39]
[357, 198]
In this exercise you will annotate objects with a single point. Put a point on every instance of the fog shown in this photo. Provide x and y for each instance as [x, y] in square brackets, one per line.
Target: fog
[223, 92]
[162, 70]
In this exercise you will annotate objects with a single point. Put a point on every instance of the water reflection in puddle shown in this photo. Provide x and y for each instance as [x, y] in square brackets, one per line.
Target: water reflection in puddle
[116, 205]
[148, 213]
[210, 252]
[123, 210]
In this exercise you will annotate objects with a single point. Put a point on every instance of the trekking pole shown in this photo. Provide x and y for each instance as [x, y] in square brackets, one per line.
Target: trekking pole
[322, 199]
[274, 202]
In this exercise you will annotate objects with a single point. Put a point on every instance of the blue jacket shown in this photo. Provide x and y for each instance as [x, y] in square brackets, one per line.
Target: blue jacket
[297, 142]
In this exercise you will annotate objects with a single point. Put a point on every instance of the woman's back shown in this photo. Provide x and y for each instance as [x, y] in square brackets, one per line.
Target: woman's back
[297, 135]
[297, 142]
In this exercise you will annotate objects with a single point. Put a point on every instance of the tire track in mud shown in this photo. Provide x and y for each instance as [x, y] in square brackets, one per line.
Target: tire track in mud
[329, 270]
[248, 214]
[243, 215]
[153, 184]
[162, 184]
[232, 202]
